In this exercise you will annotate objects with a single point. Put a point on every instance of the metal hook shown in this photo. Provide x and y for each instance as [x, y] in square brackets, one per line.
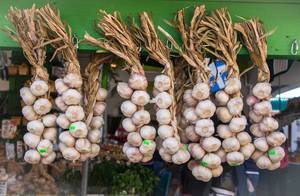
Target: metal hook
[295, 47]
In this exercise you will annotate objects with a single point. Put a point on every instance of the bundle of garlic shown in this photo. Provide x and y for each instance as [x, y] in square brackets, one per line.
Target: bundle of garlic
[222, 43]
[268, 152]
[41, 126]
[171, 148]
[198, 106]
[140, 144]
[94, 106]
[73, 142]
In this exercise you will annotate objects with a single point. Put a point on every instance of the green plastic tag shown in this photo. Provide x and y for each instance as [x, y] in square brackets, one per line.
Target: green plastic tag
[72, 128]
[146, 142]
[204, 163]
[42, 150]
[185, 147]
[272, 152]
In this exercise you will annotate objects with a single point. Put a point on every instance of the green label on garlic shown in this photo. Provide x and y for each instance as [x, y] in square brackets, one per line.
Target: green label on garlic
[42, 150]
[146, 142]
[72, 128]
[204, 163]
[272, 152]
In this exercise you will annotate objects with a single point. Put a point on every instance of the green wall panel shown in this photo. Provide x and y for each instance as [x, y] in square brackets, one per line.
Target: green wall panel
[283, 15]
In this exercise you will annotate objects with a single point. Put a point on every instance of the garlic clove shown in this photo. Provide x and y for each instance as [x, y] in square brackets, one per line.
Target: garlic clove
[162, 82]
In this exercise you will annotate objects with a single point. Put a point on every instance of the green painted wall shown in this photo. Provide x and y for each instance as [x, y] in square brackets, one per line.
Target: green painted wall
[80, 14]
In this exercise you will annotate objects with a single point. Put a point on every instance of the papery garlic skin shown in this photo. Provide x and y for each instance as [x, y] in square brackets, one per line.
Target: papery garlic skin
[94, 136]
[78, 129]
[67, 139]
[276, 154]
[235, 158]
[124, 90]
[147, 147]
[148, 132]
[32, 156]
[223, 114]
[162, 82]
[42, 106]
[274, 166]
[39, 88]
[197, 152]
[49, 159]
[255, 117]
[263, 162]
[134, 139]
[60, 104]
[247, 150]
[181, 157]
[261, 144]
[71, 154]
[205, 109]
[262, 90]
[49, 120]
[244, 138]
[137, 81]
[29, 113]
[31, 139]
[275, 139]
[211, 160]
[201, 91]
[128, 125]
[27, 96]
[165, 131]
[268, 124]
[99, 108]
[205, 127]
[232, 86]
[50, 133]
[165, 155]
[128, 108]
[216, 172]
[163, 116]
[141, 117]
[36, 127]
[75, 113]
[191, 134]
[72, 97]
[188, 98]
[235, 105]
[133, 154]
[190, 115]
[231, 144]
[222, 98]
[238, 124]
[45, 148]
[210, 144]
[255, 130]
[63, 121]
[83, 145]
[101, 94]
[222, 154]
[223, 131]
[140, 98]
[163, 100]
[171, 145]
[73, 80]
[60, 86]
[251, 100]
[97, 122]
[263, 108]
[202, 173]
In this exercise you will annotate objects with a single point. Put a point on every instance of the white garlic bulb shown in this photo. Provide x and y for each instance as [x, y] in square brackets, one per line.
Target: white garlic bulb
[128, 125]
[163, 116]
[99, 108]
[78, 129]
[201, 91]
[210, 144]
[73, 80]
[263, 108]
[32, 156]
[165, 131]
[238, 124]
[162, 82]
[211, 160]
[63, 121]
[94, 135]
[263, 162]
[49, 159]
[71, 154]
[221, 98]
[235, 105]
[232, 86]
[188, 98]
[254, 129]
[39, 88]
[45, 148]
[95, 149]
[42, 106]
[197, 152]
[83, 145]
[261, 144]
[134, 139]
[27, 96]
[216, 172]
[274, 166]
[67, 139]
[235, 158]
[36, 127]
[141, 117]
[276, 154]
[31, 139]
[148, 132]
[72, 97]
[223, 114]
[202, 173]
[251, 100]
[244, 138]
[191, 134]
[97, 122]
[163, 100]
[50, 133]
[231, 144]
[124, 90]
[205, 109]
[133, 154]
[276, 138]
[140, 98]
[75, 113]
[262, 90]
[205, 127]
[137, 81]
[268, 124]
[164, 155]
[181, 157]
[147, 147]
[255, 117]
[222, 154]
[171, 145]
[60, 86]
[101, 94]
[128, 108]
[247, 150]
[190, 115]
[49, 120]
[60, 104]
[29, 113]
[223, 131]
[256, 154]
